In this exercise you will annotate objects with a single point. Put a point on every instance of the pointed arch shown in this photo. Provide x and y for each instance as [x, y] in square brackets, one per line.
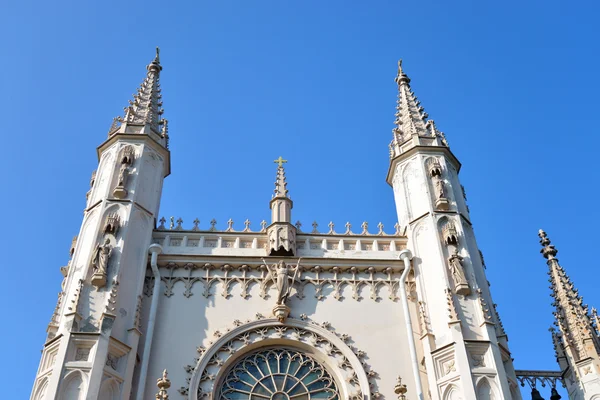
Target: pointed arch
[40, 391]
[484, 390]
[452, 393]
[73, 386]
[109, 390]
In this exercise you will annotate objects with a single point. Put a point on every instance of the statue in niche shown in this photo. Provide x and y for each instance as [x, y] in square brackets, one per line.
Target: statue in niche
[461, 285]
[441, 202]
[440, 189]
[280, 274]
[120, 192]
[100, 263]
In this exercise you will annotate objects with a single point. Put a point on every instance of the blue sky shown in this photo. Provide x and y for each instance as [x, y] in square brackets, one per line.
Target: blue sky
[513, 85]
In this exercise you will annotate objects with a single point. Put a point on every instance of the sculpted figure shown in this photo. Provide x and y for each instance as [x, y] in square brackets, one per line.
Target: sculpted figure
[458, 273]
[440, 188]
[123, 172]
[100, 258]
[280, 274]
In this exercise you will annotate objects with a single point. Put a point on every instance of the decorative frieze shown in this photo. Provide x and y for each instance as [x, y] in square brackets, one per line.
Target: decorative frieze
[245, 277]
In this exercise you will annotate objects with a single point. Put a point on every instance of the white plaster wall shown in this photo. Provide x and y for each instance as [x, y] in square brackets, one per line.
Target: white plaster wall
[185, 323]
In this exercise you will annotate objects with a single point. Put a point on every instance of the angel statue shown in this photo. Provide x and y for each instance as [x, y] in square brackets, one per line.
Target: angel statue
[280, 274]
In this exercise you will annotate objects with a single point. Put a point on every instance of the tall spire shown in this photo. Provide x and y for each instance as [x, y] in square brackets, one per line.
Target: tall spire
[578, 335]
[145, 110]
[411, 119]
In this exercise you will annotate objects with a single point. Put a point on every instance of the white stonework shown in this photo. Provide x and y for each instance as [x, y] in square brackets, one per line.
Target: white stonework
[406, 314]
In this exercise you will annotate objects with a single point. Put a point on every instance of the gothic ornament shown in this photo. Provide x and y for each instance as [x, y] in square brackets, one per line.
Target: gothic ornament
[163, 384]
[461, 285]
[100, 260]
[449, 233]
[112, 224]
[400, 389]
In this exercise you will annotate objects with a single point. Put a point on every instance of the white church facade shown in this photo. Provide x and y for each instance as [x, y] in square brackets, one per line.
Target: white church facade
[288, 312]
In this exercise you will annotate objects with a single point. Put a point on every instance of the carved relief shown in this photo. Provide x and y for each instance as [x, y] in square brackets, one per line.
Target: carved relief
[360, 380]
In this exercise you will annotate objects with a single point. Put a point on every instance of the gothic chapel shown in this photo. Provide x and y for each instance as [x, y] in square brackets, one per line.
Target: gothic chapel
[150, 308]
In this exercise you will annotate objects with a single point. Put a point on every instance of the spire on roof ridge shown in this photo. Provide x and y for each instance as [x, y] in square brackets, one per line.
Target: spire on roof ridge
[280, 182]
[146, 107]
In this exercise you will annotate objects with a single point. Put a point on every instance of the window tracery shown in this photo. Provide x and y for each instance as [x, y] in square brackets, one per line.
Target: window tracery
[278, 374]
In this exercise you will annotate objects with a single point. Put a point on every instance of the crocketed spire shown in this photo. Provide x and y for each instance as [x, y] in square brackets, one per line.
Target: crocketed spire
[577, 334]
[145, 109]
[280, 182]
[411, 118]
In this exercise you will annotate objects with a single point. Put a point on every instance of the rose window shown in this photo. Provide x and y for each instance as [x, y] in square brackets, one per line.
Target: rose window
[278, 374]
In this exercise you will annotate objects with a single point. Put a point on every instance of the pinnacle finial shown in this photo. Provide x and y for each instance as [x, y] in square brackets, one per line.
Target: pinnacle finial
[401, 76]
[155, 64]
[163, 384]
[548, 250]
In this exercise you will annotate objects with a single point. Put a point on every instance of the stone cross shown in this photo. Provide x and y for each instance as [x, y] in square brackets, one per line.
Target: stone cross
[196, 223]
[315, 225]
[213, 223]
[380, 227]
[348, 227]
[331, 226]
[247, 225]
[365, 228]
[280, 161]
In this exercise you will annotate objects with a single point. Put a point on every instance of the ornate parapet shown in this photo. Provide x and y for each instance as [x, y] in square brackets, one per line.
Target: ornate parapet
[178, 240]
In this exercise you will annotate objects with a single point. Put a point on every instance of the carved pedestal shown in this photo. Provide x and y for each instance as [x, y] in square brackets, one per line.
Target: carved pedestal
[120, 192]
[99, 280]
[281, 312]
[442, 204]
[462, 289]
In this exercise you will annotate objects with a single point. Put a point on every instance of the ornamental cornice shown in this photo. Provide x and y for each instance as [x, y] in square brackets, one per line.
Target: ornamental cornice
[347, 363]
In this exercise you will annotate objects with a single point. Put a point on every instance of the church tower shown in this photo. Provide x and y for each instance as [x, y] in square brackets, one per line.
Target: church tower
[91, 346]
[465, 347]
[576, 342]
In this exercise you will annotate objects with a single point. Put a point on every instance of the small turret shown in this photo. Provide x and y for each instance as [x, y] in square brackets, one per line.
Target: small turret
[281, 232]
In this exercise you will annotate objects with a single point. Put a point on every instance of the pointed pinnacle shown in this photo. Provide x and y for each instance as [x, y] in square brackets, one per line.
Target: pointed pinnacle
[401, 77]
[548, 250]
